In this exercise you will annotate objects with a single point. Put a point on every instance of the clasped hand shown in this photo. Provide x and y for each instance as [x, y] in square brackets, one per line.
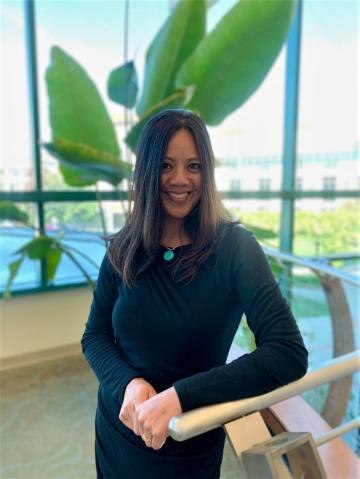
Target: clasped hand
[148, 413]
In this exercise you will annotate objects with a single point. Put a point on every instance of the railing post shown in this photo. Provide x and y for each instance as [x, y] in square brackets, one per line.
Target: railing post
[343, 343]
[266, 460]
[245, 432]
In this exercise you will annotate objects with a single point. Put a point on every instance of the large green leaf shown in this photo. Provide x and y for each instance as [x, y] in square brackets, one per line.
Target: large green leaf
[42, 247]
[9, 211]
[13, 271]
[231, 61]
[51, 249]
[38, 247]
[174, 42]
[176, 100]
[52, 262]
[77, 112]
[82, 164]
[123, 85]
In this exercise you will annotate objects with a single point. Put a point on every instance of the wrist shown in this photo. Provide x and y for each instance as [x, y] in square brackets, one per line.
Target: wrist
[174, 394]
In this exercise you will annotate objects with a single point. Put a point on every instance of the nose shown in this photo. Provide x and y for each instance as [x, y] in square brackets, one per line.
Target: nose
[179, 176]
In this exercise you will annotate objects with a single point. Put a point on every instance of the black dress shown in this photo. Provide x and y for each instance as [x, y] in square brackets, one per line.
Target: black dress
[173, 334]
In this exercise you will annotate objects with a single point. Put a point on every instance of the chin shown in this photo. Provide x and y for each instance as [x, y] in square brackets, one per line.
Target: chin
[175, 215]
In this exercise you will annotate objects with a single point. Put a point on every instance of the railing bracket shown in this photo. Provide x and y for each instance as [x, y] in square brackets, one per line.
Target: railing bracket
[266, 460]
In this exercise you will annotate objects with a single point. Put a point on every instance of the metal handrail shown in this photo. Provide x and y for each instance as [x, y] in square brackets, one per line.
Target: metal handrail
[204, 419]
[334, 284]
[335, 257]
[337, 431]
[311, 264]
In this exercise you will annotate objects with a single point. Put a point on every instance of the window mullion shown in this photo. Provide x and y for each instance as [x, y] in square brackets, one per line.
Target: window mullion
[30, 48]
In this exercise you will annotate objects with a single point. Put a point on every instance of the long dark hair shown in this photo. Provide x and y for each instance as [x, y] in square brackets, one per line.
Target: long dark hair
[134, 248]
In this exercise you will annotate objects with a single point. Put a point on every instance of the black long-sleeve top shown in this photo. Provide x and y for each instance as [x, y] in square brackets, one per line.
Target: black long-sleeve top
[177, 334]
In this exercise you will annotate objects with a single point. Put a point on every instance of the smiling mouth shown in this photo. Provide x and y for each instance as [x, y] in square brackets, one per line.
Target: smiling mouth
[178, 197]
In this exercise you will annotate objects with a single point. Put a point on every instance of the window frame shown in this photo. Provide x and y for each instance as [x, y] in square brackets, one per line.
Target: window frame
[287, 194]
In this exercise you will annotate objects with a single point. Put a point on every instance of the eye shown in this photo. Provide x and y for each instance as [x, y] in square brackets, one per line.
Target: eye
[195, 166]
[166, 165]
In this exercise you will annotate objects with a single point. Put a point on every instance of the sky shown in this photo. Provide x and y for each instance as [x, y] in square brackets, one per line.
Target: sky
[92, 32]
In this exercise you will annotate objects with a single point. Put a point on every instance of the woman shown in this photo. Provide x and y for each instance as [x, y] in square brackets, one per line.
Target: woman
[171, 290]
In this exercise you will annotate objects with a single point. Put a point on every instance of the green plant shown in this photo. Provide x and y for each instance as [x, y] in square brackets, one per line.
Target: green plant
[41, 247]
[184, 66]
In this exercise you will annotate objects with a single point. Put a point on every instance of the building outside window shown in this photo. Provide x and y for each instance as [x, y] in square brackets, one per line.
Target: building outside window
[265, 184]
[329, 183]
[235, 185]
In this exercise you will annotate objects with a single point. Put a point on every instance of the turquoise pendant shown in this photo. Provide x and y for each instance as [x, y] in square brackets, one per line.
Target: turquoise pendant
[168, 255]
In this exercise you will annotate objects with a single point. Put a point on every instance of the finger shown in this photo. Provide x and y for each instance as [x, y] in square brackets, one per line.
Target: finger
[148, 442]
[147, 438]
[136, 428]
[125, 418]
[157, 442]
[127, 422]
[143, 428]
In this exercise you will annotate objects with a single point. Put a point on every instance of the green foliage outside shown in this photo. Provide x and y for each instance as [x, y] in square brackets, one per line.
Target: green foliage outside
[308, 307]
[79, 216]
[327, 232]
[244, 338]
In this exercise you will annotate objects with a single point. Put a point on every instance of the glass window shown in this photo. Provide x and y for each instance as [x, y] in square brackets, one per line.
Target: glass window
[265, 184]
[16, 170]
[328, 134]
[250, 171]
[329, 183]
[13, 236]
[323, 227]
[62, 217]
[58, 24]
[298, 183]
[79, 228]
[253, 134]
[260, 216]
[235, 185]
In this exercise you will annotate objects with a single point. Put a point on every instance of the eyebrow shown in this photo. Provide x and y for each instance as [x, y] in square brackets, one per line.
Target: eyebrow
[195, 158]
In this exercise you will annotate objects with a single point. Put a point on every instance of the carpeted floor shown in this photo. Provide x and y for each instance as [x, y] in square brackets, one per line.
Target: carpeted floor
[47, 414]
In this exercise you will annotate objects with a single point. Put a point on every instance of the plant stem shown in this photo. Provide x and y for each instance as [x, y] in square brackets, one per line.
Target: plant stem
[80, 253]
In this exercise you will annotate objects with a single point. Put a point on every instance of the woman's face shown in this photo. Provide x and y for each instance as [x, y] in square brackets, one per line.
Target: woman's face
[181, 176]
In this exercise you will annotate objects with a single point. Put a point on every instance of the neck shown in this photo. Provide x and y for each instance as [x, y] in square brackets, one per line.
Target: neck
[173, 234]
